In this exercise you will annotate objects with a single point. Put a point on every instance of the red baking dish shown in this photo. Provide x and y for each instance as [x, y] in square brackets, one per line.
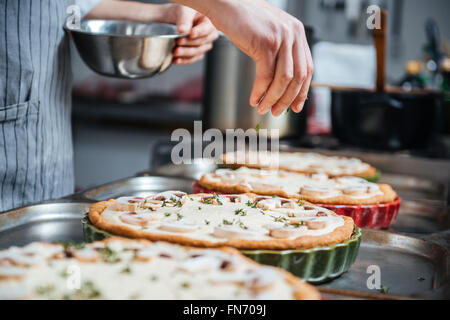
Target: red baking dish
[375, 216]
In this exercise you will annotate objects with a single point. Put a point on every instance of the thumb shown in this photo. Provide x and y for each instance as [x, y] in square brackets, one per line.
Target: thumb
[185, 19]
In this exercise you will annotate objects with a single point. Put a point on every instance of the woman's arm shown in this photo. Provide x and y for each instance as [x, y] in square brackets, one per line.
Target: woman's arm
[190, 49]
[277, 43]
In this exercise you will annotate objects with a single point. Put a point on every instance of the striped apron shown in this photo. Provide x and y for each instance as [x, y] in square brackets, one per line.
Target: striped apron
[36, 157]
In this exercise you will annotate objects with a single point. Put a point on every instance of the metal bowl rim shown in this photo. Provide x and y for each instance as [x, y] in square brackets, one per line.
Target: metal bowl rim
[169, 36]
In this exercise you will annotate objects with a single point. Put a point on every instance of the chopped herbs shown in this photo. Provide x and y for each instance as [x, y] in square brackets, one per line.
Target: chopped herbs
[242, 225]
[164, 203]
[87, 291]
[185, 285]
[258, 127]
[216, 197]
[251, 204]
[227, 223]
[153, 278]
[240, 212]
[109, 255]
[192, 199]
[76, 246]
[207, 222]
[199, 208]
[167, 214]
[179, 216]
[421, 279]
[280, 219]
[45, 290]
[384, 289]
[295, 224]
[287, 110]
[274, 196]
[177, 202]
[126, 270]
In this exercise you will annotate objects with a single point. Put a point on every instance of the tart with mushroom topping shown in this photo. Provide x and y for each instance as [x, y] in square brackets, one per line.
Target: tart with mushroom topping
[246, 222]
[370, 205]
[138, 269]
[299, 162]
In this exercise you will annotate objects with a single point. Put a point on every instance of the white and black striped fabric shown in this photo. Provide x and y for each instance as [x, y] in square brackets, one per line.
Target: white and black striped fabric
[35, 103]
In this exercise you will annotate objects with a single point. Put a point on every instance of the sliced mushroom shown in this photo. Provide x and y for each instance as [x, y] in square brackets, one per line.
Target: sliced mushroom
[134, 219]
[232, 232]
[86, 255]
[356, 191]
[178, 226]
[125, 204]
[315, 191]
[287, 232]
[316, 225]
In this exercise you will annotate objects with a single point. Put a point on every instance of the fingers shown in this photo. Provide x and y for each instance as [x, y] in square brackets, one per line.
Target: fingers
[189, 52]
[188, 42]
[299, 102]
[284, 74]
[193, 47]
[265, 69]
[182, 61]
[293, 90]
[185, 19]
[202, 28]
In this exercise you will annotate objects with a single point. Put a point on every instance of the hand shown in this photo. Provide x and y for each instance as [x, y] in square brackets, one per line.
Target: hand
[275, 40]
[189, 49]
[201, 34]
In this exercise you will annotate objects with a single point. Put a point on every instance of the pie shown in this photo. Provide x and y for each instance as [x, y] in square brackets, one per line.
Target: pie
[298, 162]
[138, 269]
[370, 205]
[244, 221]
[315, 188]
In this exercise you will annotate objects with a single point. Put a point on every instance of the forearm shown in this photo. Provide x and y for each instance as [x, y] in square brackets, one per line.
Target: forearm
[208, 7]
[127, 10]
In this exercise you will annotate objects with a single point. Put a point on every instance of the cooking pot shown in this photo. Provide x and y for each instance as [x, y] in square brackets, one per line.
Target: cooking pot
[385, 118]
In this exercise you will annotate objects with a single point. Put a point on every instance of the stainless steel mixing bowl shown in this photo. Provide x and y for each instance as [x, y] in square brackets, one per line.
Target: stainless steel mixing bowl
[125, 49]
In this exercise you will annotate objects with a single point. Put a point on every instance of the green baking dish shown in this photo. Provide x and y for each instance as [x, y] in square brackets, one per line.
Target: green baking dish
[316, 265]
[375, 178]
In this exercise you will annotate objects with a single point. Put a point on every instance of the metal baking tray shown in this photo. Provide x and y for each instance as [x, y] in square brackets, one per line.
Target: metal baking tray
[138, 186]
[423, 211]
[402, 260]
[410, 268]
[48, 222]
[416, 188]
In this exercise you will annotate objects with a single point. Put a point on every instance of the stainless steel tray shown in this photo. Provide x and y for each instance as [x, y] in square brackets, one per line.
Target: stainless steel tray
[409, 268]
[401, 259]
[423, 211]
[48, 222]
[138, 186]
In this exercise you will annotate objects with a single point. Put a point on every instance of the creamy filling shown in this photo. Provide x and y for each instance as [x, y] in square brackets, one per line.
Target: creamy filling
[317, 185]
[132, 270]
[303, 162]
[219, 218]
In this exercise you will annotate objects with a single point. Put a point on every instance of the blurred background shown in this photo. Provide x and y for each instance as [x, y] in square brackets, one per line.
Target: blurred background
[121, 127]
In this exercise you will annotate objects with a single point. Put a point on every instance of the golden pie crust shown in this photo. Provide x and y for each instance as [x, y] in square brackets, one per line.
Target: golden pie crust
[301, 289]
[388, 196]
[368, 173]
[339, 235]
